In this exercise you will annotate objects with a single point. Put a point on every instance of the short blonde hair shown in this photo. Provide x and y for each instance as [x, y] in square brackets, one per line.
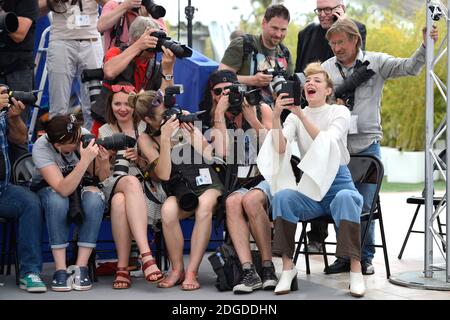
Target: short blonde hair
[345, 26]
[316, 68]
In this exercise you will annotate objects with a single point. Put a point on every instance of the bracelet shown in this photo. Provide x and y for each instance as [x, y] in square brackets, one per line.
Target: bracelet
[219, 121]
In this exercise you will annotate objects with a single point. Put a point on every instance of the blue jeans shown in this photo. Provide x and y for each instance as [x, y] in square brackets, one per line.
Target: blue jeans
[56, 208]
[22, 204]
[368, 192]
[342, 202]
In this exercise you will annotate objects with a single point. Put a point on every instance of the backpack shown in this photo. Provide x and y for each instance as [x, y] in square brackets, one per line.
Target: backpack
[250, 49]
[226, 265]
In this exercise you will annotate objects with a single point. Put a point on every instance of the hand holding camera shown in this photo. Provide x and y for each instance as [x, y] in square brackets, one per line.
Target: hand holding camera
[167, 61]
[131, 154]
[262, 79]
[249, 113]
[16, 108]
[89, 153]
[132, 4]
[282, 102]
[147, 41]
[169, 127]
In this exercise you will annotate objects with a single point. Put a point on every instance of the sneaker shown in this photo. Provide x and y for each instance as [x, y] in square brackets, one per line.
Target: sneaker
[249, 281]
[80, 276]
[367, 268]
[314, 247]
[62, 281]
[32, 282]
[269, 278]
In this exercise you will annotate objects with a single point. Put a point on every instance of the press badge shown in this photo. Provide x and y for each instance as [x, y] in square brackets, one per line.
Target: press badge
[82, 20]
[243, 171]
[204, 177]
[353, 125]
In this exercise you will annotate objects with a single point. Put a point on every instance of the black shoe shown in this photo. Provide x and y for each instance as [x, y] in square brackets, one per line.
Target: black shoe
[249, 281]
[338, 266]
[367, 268]
[269, 278]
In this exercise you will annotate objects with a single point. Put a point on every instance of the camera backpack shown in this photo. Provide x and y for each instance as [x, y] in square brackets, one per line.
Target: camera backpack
[226, 265]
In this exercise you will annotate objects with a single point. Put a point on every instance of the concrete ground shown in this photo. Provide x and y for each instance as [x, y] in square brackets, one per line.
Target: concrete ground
[316, 286]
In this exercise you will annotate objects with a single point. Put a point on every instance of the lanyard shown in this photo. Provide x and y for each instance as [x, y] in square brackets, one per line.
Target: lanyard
[341, 71]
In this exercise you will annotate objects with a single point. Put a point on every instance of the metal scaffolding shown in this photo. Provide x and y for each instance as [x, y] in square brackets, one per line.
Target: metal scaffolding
[434, 276]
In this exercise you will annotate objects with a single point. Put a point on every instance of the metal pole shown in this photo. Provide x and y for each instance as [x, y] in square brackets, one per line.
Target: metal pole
[429, 131]
[447, 187]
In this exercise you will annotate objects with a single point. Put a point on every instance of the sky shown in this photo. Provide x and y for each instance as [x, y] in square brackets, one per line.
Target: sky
[226, 10]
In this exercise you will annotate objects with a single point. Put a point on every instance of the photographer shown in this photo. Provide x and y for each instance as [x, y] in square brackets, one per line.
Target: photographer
[135, 64]
[372, 70]
[16, 57]
[17, 202]
[116, 18]
[68, 196]
[247, 207]
[74, 45]
[179, 154]
[250, 56]
[129, 207]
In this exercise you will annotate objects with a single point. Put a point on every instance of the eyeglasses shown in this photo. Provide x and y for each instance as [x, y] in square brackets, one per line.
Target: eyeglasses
[318, 11]
[158, 99]
[337, 43]
[126, 88]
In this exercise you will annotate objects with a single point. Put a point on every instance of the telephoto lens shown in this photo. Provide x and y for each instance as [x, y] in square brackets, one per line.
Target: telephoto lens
[121, 165]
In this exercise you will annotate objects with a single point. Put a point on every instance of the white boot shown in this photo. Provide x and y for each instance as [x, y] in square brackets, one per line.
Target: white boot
[288, 281]
[357, 286]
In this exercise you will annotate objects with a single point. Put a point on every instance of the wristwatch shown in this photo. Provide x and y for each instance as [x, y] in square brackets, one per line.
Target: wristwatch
[168, 77]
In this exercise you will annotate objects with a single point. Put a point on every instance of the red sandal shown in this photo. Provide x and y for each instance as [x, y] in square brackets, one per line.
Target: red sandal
[124, 273]
[147, 265]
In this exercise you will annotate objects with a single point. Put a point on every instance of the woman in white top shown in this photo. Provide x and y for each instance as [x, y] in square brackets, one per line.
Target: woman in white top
[309, 128]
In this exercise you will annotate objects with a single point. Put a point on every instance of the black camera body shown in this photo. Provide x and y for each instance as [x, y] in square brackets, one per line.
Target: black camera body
[178, 49]
[174, 109]
[27, 98]
[236, 97]
[93, 78]
[346, 91]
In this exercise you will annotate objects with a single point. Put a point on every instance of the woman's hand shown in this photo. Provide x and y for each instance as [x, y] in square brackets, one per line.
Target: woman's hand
[90, 152]
[103, 155]
[281, 104]
[131, 154]
[224, 102]
[249, 113]
[297, 110]
[168, 128]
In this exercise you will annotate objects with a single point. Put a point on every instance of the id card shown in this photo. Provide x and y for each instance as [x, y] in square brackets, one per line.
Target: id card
[82, 20]
[204, 177]
[353, 129]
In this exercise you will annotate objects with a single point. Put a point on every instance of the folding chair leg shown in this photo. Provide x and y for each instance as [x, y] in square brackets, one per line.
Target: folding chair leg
[383, 242]
[325, 256]
[409, 232]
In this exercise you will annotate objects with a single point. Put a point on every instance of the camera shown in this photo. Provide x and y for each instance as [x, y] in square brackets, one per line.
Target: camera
[93, 78]
[9, 22]
[119, 142]
[346, 91]
[238, 93]
[153, 9]
[173, 108]
[178, 187]
[179, 50]
[27, 98]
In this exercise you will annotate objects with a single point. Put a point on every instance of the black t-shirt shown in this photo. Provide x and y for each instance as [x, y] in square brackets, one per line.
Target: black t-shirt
[11, 52]
[312, 46]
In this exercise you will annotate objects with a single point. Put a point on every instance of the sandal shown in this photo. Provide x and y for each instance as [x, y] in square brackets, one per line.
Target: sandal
[148, 264]
[168, 283]
[123, 273]
[194, 285]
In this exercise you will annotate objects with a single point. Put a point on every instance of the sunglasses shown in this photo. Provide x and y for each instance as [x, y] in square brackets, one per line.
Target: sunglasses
[125, 88]
[218, 91]
[69, 127]
[158, 99]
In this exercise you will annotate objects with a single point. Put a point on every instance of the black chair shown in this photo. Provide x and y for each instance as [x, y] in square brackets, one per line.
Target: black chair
[364, 170]
[419, 201]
